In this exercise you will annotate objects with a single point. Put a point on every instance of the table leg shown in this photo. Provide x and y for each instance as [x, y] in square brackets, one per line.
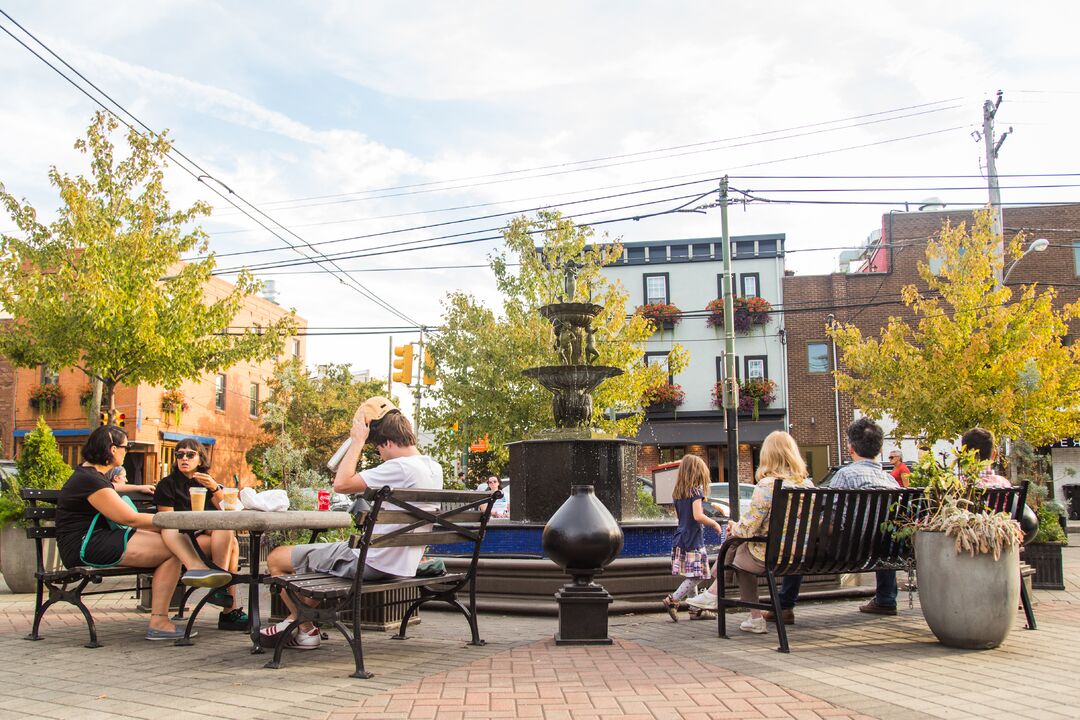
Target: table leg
[253, 591]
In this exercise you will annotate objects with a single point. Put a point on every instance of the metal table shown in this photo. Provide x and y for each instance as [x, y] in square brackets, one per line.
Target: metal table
[255, 523]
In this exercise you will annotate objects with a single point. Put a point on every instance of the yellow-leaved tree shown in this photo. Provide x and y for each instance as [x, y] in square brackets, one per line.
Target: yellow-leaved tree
[976, 355]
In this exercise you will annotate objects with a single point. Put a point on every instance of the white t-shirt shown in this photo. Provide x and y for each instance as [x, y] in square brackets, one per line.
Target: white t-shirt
[414, 471]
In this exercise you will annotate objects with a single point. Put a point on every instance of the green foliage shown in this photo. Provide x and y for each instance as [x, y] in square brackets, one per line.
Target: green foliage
[647, 507]
[40, 466]
[1049, 527]
[481, 352]
[977, 356]
[306, 418]
[102, 287]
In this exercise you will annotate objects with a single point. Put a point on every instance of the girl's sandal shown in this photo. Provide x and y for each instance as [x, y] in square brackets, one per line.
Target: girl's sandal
[672, 607]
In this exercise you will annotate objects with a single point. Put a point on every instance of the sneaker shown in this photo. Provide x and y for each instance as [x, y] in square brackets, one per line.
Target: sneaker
[235, 619]
[672, 607]
[788, 615]
[874, 609]
[206, 578]
[304, 640]
[220, 597]
[699, 614]
[754, 625]
[704, 600]
[271, 633]
[152, 634]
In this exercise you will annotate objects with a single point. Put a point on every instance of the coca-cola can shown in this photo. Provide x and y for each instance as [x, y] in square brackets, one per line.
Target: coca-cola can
[324, 499]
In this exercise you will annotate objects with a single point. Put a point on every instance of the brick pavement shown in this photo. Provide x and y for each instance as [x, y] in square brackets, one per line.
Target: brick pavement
[842, 664]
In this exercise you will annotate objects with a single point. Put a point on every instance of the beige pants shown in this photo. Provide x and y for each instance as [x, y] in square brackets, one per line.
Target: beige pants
[747, 570]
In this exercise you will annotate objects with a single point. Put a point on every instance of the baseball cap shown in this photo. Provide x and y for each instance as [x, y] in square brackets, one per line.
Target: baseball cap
[376, 408]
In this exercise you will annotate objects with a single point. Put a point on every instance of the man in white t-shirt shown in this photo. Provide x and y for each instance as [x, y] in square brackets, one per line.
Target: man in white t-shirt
[376, 421]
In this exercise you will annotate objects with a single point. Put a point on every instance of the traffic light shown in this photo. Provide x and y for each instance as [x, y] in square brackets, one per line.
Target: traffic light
[120, 418]
[103, 418]
[403, 363]
[429, 368]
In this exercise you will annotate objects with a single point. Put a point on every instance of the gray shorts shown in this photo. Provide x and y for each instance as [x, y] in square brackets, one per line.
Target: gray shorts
[333, 558]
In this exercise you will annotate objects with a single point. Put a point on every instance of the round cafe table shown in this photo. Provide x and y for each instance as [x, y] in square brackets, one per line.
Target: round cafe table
[255, 523]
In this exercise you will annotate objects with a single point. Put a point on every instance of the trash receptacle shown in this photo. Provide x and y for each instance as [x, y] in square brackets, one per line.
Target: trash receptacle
[1072, 498]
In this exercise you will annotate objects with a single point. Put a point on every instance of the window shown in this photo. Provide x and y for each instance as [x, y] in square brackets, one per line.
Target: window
[720, 285]
[219, 392]
[656, 288]
[720, 368]
[1076, 257]
[817, 355]
[745, 248]
[766, 246]
[679, 252]
[253, 400]
[749, 284]
[49, 376]
[658, 358]
[701, 251]
[635, 254]
[756, 366]
[671, 454]
[296, 348]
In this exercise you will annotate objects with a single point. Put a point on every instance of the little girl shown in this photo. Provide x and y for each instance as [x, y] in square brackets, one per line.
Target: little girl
[688, 555]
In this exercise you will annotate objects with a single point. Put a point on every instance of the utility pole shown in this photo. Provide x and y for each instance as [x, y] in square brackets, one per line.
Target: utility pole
[390, 370]
[419, 380]
[731, 387]
[993, 145]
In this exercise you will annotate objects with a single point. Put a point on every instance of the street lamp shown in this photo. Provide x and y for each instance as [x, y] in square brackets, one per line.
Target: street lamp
[1037, 245]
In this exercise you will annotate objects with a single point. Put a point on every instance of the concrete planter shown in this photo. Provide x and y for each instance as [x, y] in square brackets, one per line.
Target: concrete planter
[968, 602]
[18, 560]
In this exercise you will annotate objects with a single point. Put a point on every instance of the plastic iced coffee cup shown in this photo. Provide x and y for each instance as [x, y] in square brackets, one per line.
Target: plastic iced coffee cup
[198, 498]
[230, 498]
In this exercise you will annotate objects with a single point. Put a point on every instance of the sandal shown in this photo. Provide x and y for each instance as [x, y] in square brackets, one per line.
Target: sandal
[672, 607]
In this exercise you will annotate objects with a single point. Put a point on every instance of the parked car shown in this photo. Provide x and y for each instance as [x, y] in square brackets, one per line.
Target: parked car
[717, 505]
[824, 482]
[8, 469]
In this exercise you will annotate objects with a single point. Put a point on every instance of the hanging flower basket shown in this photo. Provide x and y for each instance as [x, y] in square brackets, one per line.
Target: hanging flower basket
[662, 315]
[173, 404]
[86, 396]
[747, 312]
[46, 397]
[664, 395]
[755, 394]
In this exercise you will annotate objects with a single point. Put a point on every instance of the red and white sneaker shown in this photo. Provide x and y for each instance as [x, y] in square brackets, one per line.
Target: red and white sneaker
[304, 640]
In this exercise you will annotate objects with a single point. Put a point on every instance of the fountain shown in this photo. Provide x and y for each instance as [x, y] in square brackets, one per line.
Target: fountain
[545, 468]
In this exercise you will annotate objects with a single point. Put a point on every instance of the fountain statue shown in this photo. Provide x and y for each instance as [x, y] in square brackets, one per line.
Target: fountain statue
[545, 468]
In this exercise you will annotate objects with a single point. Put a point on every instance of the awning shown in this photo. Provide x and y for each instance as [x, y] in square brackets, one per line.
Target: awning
[77, 432]
[711, 432]
[177, 437]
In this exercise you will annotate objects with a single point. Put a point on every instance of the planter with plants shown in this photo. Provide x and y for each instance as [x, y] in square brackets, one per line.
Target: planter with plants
[746, 312]
[173, 405]
[46, 397]
[968, 559]
[40, 466]
[754, 395]
[665, 396]
[1044, 551]
[663, 315]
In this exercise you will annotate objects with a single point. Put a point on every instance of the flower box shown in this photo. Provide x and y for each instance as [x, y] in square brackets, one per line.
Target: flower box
[46, 397]
[665, 396]
[663, 315]
[747, 313]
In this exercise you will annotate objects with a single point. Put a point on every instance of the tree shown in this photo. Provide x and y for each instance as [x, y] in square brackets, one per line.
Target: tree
[102, 287]
[40, 466]
[975, 358]
[306, 418]
[481, 354]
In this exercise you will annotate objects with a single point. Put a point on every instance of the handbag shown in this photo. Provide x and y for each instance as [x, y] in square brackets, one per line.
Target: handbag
[112, 526]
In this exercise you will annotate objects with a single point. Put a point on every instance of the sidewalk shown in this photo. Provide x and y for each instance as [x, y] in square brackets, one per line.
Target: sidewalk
[843, 665]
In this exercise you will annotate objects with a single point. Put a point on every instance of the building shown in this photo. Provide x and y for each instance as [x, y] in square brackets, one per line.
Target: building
[220, 410]
[869, 295]
[688, 273]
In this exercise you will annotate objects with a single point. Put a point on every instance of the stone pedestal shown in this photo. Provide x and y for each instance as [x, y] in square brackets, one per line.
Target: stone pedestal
[542, 472]
[583, 615]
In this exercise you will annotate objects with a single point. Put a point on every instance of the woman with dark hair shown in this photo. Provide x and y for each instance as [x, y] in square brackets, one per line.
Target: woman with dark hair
[191, 470]
[96, 527]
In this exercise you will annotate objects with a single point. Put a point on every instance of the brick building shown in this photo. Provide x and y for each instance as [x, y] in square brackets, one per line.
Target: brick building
[868, 297]
[687, 273]
[222, 412]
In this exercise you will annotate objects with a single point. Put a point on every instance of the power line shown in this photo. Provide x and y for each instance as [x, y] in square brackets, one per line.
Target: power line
[202, 175]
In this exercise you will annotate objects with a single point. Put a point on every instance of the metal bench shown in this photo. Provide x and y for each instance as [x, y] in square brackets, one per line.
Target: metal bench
[320, 598]
[819, 530]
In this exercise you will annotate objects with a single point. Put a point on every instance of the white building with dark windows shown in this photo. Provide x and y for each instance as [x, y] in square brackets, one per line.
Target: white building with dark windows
[688, 274]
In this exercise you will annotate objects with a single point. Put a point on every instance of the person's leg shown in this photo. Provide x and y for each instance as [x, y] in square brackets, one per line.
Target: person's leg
[221, 550]
[279, 562]
[886, 589]
[789, 591]
[146, 549]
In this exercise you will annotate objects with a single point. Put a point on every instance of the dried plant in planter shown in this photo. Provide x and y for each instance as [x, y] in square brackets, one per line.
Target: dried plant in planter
[974, 532]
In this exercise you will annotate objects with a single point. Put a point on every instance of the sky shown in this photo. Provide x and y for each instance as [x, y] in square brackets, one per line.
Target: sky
[362, 123]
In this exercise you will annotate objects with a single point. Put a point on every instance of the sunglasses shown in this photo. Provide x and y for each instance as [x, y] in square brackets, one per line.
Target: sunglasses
[122, 447]
[186, 454]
